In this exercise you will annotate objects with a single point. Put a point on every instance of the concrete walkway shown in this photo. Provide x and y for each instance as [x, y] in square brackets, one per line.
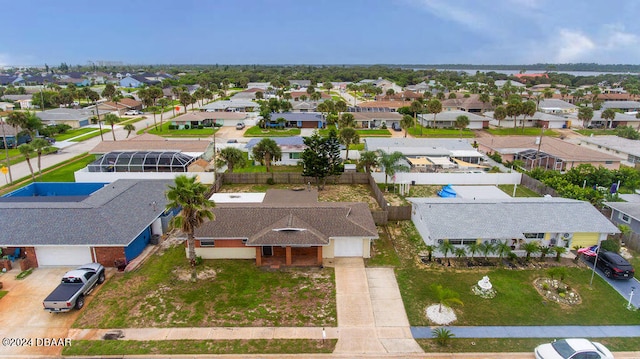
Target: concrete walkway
[560, 331]
[371, 315]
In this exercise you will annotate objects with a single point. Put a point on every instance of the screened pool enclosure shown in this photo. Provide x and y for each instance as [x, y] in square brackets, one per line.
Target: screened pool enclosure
[142, 161]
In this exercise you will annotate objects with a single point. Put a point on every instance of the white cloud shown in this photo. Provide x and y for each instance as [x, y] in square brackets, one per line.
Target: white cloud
[572, 46]
[450, 12]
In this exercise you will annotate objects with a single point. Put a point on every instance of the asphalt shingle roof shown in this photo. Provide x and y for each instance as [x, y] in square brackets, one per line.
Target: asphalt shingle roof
[629, 208]
[463, 218]
[112, 216]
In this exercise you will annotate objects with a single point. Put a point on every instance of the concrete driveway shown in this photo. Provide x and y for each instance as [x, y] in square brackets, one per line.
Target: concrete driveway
[22, 315]
[623, 287]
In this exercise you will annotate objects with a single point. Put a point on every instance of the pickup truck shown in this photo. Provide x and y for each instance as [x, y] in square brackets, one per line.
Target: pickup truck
[73, 288]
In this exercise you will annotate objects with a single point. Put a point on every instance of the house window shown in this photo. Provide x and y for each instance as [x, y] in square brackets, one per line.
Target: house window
[207, 243]
[462, 241]
[294, 155]
[624, 218]
[608, 162]
[534, 235]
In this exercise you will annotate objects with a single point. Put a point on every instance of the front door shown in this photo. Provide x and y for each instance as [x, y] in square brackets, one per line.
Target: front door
[267, 251]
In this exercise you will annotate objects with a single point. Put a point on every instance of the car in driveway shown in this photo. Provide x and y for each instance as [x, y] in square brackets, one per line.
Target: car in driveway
[573, 348]
[239, 126]
[133, 113]
[610, 263]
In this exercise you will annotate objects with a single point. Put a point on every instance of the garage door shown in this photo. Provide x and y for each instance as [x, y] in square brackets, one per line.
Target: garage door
[63, 255]
[348, 247]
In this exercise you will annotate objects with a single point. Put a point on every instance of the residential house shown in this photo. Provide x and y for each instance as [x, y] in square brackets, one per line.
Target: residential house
[539, 119]
[24, 101]
[291, 148]
[304, 106]
[69, 224]
[383, 84]
[69, 116]
[298, 95]
[447, 119]
[547, 221]
[471, 103]
[547, 152]
[296, 84]
[298, 119]
[620, 119]
[625, 213]
[11, 135]
[123, 105]
[525, 76]
[149, 142]
[131, 81]
[231, 106]
[289, 228]
[377, 106]
[7, 106]
[11, 80]
[628, 150]
[209, 119]
[259, 85]
[376, 119]
[624, 106]
[500, 83]
[440, 152]
[401, 96]
[557, 107]
[615, 97]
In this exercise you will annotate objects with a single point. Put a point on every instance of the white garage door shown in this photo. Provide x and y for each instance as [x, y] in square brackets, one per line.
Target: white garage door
[63, 255]
[348, 247]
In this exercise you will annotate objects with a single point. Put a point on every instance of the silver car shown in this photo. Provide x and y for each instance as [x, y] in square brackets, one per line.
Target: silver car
[572, 348]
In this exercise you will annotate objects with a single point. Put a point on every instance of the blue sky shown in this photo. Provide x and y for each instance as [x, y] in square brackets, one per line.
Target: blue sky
[36, 32]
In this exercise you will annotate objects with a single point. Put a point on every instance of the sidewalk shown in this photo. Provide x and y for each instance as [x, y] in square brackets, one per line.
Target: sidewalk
[560, 331]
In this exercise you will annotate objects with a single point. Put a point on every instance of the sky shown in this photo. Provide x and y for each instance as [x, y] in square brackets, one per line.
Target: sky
[77, 32]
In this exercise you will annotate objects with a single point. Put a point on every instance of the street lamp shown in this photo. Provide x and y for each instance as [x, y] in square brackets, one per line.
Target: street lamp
[630, 297]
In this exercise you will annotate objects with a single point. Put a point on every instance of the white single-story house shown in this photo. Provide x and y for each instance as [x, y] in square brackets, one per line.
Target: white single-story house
[431, 148]
[514, 221]
[291, 147]
[447, 119]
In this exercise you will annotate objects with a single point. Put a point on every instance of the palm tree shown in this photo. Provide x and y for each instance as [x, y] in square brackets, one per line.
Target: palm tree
[111, 119]
[514, 109]
[26, 150]
[500, 114]
[191, 196]
[486, 248]
[446, 296]
[265, 151]
[585, 114]
[502, 249]
[347, 137]
[609, 115]
[531, 248]
[434, 106]
[544, 251]
[445, 248]
[391, 164]
[39, 145]
[405, 123]
[460, 252]
[346, 120]
[416, 107]
[485, 99]
[162, 102]
[527, 108]
[94, 97]
[473, 248]
[367, 160]
[461, 123]
[185, 99]
[232, 157]
[559, 251]
[129, 127]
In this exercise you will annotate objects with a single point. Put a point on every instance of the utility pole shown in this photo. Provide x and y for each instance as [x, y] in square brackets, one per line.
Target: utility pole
[6, 150]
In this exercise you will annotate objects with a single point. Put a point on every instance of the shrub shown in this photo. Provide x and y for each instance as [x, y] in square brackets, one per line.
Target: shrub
[173, 127]
[186, 127]
[610, 245]
[545, 286]
[495, 156]
[559, 272]
[200, 127]
[442, 336]
[271, 181]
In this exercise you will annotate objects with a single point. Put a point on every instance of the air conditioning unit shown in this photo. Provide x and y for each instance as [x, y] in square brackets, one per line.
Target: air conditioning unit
[440, 241]
[566, 236]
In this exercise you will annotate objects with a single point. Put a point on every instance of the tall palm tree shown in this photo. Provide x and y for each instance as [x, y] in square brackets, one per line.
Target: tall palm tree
[111, 119]
[416, 107]
[129, 127]
[473, 248]
[94, 97]
[502, 249]
[162, 102]
[461, 123]
[39, 145]
[486, 248]
[26, 150]
[265, 151]
[445, 248]
[347, 137]
[609, 115]
[367, 160]
[500, 114]
[191, 196]
[434, 106]
[391, 164]
[406, 122]
[232, 157]
[585, 114]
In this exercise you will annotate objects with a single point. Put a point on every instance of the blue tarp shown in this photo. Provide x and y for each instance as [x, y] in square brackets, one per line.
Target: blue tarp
[447, 192]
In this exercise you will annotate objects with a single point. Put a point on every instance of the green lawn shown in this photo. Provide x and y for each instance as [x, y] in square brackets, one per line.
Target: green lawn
[376, 132]
[236, 293]
[93, 134]
[3, 293]
[528, 131]
[178, 347]
[596, 132]
[192, 132]
[73, 133]
[16, 157]
[517, 302]
[256, 131]
[64, 173]
[440, 132]
[521, 191]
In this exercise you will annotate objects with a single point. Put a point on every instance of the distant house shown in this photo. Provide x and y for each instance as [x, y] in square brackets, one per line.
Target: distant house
[525, 76]
[447, 119]
[304, 106]
[401, 96]
[547, 221]
[124, 104]
[11, 135]
[626, 149]
[467, 104]
[433, 149]
[291, 147]
[259, 85]
[209, 119]
[383, 84]
[549, 152]
[625, 213]
[129, 81]
[556, 107]
[624, 106]
[378, 106]
[24, 101]
[299, 83]
[500, 83]
[231, 106]
[298, 119]
[376, 119]
[288, 228]
[297, 95]
[6, 106]
[539, 119]
[72, 117]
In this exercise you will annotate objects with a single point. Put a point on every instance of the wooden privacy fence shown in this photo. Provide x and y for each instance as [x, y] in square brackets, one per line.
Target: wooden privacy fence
[537, 186]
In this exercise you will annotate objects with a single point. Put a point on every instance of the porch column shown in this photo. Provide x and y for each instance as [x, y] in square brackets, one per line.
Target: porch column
[288, 256]
[258, 256]
[319, 255]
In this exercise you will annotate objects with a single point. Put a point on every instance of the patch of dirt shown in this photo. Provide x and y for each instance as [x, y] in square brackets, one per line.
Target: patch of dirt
[556, 291]
[184, 274]
[348, 193]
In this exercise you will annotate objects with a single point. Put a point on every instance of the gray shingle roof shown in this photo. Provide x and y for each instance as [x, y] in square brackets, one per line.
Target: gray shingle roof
[460, 218]
[318, 221]
[629, 208]
[112, 216]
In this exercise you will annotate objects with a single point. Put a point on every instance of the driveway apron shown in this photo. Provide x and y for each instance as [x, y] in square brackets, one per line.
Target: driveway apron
[370, 322]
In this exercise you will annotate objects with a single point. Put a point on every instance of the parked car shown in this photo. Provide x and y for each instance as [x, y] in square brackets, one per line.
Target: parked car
[573, 348]
[396, 126]
[73, 288]
[133, 113]
[239, 126]
[232, 141]
[610, 263]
